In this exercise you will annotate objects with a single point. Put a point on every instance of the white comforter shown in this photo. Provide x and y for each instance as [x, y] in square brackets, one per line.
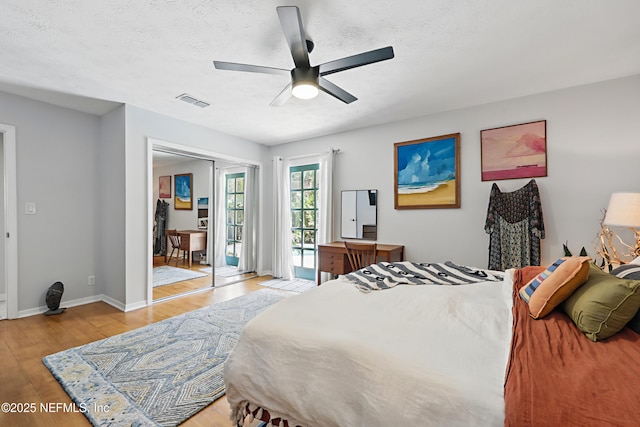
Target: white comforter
[413, 356]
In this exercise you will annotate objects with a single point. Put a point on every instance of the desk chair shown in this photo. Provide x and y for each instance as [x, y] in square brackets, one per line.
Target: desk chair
[360, 255]
[174, 239]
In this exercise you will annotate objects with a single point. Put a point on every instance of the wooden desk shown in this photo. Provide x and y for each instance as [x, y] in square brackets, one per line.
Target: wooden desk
[332, 257]
[191, 241]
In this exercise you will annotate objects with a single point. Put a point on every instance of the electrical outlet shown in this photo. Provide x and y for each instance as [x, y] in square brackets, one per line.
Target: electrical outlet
[91, 280]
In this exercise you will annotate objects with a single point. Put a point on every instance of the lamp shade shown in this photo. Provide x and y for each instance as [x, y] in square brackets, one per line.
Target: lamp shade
[623, 210]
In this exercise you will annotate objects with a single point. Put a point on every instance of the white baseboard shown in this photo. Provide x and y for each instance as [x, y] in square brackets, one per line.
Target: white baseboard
[135, 306]
[112, 302]
[63, 304]
[88, 300]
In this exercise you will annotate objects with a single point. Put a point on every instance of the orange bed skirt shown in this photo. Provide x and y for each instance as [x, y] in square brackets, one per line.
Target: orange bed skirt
[558, 377]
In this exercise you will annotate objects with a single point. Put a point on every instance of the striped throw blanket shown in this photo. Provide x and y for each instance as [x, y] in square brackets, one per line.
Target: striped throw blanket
[385, 275]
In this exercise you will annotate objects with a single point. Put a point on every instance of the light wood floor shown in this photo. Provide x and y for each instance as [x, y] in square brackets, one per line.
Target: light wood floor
[185, 286]
[24, 342]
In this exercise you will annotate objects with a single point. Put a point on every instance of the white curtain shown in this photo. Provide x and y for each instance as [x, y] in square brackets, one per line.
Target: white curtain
[248, 250]
[220, 228]
[282, 258]
[325, 205]
[211, 215]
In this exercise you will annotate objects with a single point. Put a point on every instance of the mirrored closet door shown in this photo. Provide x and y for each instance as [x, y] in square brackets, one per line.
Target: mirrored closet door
[204, 225]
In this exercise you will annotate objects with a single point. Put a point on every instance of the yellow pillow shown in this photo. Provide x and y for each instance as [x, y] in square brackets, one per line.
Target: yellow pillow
[554, 285]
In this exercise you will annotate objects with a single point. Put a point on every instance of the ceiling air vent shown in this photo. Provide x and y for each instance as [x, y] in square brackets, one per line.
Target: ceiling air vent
[192, 100]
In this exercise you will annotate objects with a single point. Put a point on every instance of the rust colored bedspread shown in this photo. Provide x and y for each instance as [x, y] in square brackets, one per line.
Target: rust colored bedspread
[558, 377]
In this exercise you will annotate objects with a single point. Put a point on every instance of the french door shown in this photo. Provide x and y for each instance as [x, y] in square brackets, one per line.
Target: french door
[304, 215]
[235, 216]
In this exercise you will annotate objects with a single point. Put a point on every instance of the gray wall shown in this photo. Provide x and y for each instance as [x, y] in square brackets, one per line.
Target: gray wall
[593, 149]
[87, 175]
[110, 275]
[57, 159]
[184, 219]
[140, 125]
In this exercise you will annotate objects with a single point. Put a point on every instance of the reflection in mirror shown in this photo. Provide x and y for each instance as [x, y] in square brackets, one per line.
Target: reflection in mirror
[203, 213]
[359, 214]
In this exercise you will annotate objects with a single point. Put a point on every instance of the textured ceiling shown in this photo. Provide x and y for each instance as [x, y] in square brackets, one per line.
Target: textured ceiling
[448, 55]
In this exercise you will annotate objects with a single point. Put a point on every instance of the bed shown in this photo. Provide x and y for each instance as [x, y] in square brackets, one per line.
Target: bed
[420, 355]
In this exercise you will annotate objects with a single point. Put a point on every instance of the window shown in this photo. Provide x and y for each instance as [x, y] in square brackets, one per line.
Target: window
[304, 215]
[235, 216]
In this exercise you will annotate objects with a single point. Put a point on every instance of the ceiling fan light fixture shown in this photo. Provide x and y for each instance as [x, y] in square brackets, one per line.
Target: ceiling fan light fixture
[305, 82]
[304, 90]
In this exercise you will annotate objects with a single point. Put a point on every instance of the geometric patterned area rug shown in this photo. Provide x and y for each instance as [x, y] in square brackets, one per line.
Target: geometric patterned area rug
[295, 285]
[160, 374]
[165, 275]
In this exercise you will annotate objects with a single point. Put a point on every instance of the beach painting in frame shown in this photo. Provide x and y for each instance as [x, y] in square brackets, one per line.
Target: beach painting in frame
[517, 151]
[164, 187]
[427, 173]
[183, 194]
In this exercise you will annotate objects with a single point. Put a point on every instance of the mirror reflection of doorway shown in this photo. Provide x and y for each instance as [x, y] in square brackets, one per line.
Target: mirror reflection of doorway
[184, 229]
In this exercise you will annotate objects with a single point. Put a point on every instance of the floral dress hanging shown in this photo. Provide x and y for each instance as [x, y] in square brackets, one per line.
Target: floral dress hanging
[515, 226]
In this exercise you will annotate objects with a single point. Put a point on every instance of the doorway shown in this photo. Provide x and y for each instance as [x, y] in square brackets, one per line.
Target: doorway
[304, 213]
[234, 212]
[8, 224]
[167, 161]
[3, 286]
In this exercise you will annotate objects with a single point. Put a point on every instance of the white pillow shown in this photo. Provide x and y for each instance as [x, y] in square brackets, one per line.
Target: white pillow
[636, 261]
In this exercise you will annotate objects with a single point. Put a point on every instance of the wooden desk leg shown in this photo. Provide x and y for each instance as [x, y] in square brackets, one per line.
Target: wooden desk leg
[318, 282]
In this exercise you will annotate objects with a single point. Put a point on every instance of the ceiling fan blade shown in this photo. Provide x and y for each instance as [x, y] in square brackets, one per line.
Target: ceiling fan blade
[356, 60]
[232, 66]
[291, 23]
[282, 97]
[335, 91]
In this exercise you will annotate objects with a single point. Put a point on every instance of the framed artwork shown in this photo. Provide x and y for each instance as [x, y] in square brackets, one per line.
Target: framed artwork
[427, 173]
[184, 194]
[164, 187]
[517, 151]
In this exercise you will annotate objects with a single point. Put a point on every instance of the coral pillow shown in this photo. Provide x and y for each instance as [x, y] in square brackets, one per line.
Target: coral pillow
[554, 285]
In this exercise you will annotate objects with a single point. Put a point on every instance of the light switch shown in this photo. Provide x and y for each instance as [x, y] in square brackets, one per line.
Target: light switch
[30, 208]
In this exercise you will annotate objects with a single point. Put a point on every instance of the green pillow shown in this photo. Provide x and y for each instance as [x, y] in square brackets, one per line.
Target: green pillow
[603, 305]
[630, 271]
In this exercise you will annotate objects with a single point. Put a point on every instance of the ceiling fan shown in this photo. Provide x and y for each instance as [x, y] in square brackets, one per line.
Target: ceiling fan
[305, 79]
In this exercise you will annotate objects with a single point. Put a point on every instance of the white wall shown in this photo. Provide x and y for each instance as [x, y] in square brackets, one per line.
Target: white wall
[593, 143]
[57, 159]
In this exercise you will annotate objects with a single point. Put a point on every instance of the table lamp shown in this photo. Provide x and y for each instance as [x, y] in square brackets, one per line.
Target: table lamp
[623, 212]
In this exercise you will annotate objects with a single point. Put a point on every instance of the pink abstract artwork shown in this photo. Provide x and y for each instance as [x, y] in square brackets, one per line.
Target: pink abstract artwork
[518, 151]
